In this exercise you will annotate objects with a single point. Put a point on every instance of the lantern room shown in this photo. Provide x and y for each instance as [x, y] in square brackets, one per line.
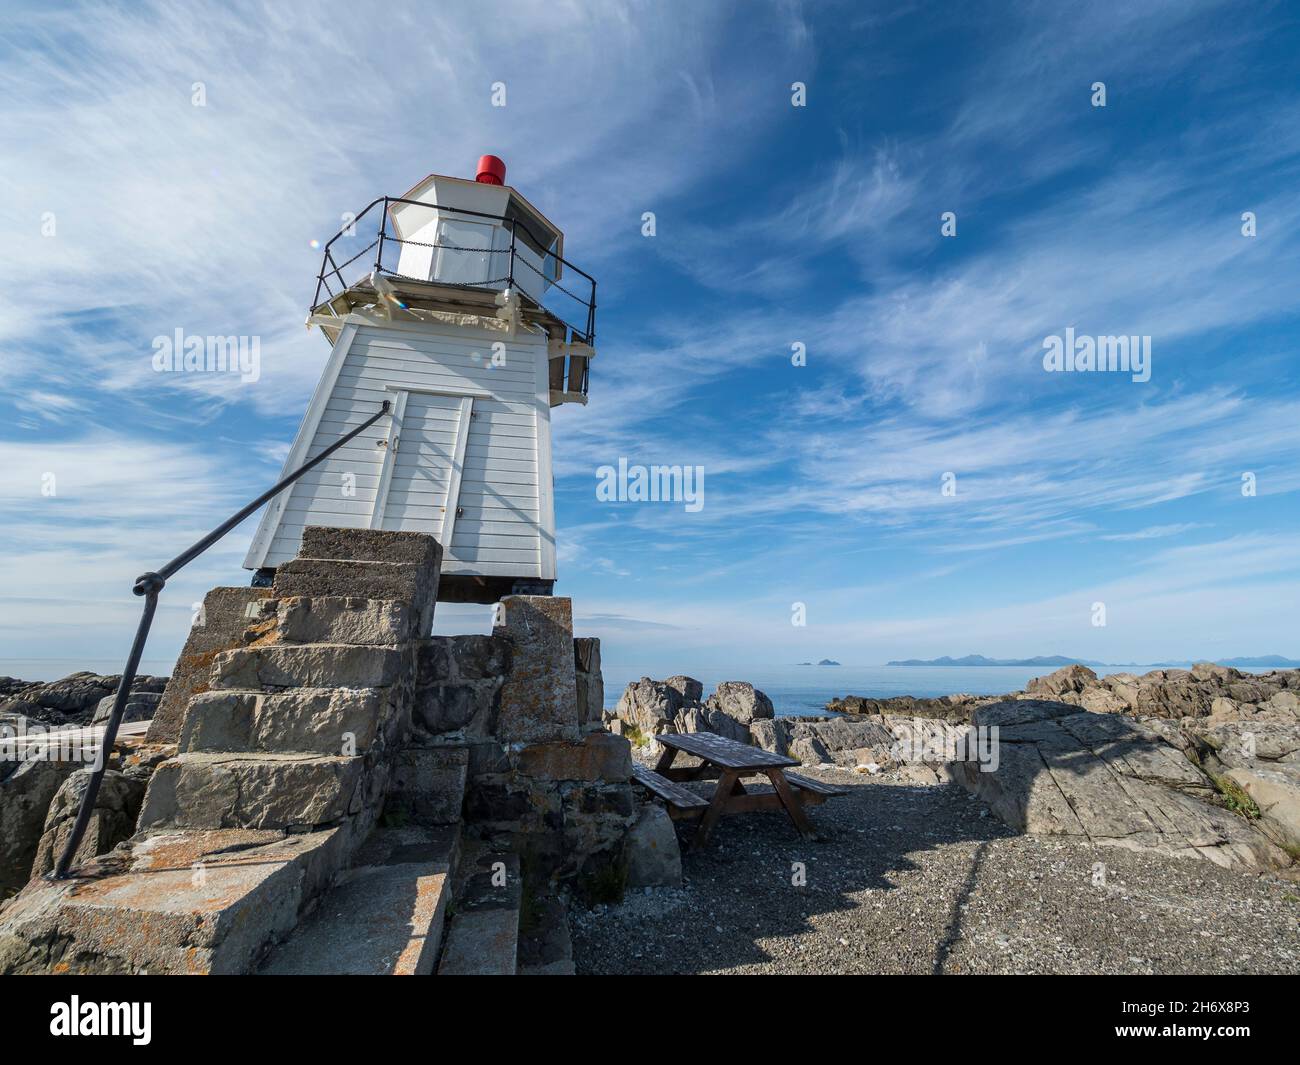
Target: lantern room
[462, 246]
[453, 231]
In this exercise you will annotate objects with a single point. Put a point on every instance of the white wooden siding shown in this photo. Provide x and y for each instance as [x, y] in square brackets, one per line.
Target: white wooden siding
[505, 524]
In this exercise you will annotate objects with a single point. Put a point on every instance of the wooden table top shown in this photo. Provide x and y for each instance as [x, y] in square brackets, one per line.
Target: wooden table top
[724, 752]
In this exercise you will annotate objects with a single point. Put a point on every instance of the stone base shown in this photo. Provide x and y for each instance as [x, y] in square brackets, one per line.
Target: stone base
[427, 786]
[598, 756]
[539, 700]
[173, 903]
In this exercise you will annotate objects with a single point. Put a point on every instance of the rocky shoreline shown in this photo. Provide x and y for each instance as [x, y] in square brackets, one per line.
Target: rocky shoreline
[1043, 830]
[39, 795]
[82, 698]
[1068, 854]
[1191, 763]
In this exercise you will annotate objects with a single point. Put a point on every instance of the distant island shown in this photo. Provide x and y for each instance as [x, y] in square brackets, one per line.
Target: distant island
[825, 662]
[1245, 662]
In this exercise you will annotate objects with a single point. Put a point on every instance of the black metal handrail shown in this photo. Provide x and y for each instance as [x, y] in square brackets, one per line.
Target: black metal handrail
[149, 585]
[582, 325]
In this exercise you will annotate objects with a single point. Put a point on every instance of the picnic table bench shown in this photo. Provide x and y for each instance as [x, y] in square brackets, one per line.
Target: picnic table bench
[729, 762]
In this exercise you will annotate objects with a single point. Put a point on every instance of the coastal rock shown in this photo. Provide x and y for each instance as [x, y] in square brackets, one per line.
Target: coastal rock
[140, 706]
[841, 741]
[721, 723]
[1262, 756]
[1205, 690]
[1066, 679]
[956, 707]
[771, 735]
[654, 857]
[741, 700]
[1108, 779]
[652, 706]
[1101, 701]
[1284, 702]
[1276, 791]
[673, 705]
[25, 796]
[71, 700]
[690, 689]
[10, 686]
[809, 749]
[117, 805]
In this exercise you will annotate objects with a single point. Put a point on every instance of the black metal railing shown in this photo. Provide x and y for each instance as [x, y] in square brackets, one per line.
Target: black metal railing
[573, 302]
[149, 585]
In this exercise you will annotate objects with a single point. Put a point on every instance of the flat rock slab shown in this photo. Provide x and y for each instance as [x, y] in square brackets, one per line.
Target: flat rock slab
[1104, 777]
[483, 939]
[169, 902]
[384, 916]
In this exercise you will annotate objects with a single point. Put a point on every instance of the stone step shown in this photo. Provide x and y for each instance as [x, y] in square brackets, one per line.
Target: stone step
[266, 791]
[370, 545]
[226, 613]
[314, 665]
[408, 582]
[483, 936]
[545, 947]
[338, 721]
[384, 916]
[332, 619]
[171, 902]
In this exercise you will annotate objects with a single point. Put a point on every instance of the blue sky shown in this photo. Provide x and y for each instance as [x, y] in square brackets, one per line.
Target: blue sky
[775, 225]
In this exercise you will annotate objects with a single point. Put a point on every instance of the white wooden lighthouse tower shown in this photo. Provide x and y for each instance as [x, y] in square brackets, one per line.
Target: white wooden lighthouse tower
[454, 303]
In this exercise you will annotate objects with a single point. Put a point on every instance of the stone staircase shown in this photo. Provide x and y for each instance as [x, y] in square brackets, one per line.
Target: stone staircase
[310, 819]
[384, 916]
[280, 775]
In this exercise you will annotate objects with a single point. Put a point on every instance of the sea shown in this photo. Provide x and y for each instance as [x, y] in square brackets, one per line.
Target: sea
[799, 690]
[58, 668]
[794, 690]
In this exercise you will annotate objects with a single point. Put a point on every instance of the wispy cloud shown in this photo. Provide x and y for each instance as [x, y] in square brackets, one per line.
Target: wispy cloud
[1154, 532]
[776, 226]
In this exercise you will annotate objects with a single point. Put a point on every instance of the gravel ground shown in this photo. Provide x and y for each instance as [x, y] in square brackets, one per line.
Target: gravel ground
[917, 879]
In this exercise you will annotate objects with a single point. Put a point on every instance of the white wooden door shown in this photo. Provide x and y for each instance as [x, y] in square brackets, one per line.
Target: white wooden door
[419, 482]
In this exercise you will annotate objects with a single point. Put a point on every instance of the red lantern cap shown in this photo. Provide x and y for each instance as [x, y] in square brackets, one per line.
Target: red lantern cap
[491, 170]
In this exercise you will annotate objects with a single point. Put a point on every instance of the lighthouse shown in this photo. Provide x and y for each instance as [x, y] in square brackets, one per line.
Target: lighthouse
[454, 304]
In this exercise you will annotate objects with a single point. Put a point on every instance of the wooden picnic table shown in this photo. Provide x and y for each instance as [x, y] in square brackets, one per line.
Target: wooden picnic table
[729, 762]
